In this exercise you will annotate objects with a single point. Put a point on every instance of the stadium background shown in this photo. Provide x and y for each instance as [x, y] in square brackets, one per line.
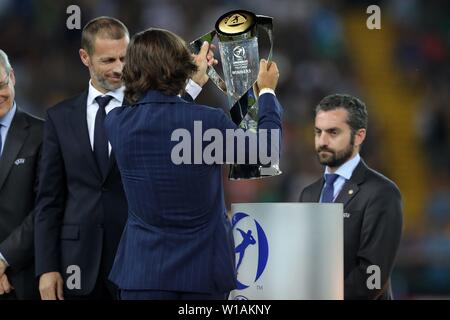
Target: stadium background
[402, 72]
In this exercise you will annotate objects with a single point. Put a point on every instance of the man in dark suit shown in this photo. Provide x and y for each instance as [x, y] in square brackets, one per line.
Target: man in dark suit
[82, 208]
[20, 148]
[177, 243]
[372, 202]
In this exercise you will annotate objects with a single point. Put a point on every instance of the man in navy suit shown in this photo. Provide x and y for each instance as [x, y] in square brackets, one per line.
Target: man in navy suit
[177, 243]
[82, 208]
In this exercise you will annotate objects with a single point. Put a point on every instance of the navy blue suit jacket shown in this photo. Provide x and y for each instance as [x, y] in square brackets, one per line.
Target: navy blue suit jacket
[79, 215]
[178, 236]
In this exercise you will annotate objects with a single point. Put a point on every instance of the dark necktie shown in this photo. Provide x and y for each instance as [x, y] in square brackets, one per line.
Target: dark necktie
[328, 191]
[100, 140]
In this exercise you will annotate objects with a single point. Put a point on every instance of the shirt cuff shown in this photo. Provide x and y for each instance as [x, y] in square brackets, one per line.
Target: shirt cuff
[193, 89]
[267, 90]
[3, 259]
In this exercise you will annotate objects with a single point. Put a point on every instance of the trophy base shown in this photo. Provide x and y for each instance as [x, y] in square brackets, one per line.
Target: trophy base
[250, 171]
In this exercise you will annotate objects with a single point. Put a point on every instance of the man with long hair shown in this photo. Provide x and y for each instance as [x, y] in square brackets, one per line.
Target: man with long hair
[177, 243]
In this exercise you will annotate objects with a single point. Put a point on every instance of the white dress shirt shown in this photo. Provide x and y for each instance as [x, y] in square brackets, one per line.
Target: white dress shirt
[193, 89]
[267, 90]
[345, 173]
[92, 108]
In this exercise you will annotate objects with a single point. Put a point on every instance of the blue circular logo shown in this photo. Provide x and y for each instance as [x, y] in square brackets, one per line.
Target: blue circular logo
[251, 240]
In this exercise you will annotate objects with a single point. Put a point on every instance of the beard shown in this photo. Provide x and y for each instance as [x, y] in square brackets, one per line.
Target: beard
[335, 159]
[105, 84]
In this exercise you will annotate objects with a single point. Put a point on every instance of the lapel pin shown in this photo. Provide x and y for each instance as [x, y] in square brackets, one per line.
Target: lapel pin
[19, 161]
[350, 191]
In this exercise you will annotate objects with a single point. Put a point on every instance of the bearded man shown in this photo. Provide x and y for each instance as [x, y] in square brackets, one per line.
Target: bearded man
[372, 202]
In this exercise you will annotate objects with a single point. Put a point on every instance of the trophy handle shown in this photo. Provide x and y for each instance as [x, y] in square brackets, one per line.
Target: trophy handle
[241, 107]
[246, 104]
[266, 23]
[212, 73]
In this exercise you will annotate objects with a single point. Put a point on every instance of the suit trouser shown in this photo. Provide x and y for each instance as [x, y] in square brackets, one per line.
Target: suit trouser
[103, 289]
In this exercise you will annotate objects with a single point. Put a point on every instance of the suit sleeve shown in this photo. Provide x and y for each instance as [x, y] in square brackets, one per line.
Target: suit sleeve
[50, 202]
[18, 247]
[269, 126]
[380, 238]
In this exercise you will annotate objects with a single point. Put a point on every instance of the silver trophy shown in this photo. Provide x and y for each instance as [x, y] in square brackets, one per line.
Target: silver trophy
[237, 32]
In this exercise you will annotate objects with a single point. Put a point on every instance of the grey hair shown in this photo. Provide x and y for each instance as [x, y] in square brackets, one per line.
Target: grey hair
[4, 61]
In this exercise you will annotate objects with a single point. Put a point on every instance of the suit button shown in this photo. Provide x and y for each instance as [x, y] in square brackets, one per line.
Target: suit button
[105, 189]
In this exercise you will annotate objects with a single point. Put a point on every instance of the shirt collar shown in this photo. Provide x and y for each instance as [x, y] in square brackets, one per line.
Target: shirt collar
[346, 170]
[117, 94]
[8, 118]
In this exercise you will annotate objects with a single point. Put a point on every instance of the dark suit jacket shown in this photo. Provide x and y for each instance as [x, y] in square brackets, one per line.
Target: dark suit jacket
[18, 183]
[177, 237]
[372, 231]
[79, 216]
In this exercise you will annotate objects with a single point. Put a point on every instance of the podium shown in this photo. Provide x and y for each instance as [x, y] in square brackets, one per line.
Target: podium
[288, 251]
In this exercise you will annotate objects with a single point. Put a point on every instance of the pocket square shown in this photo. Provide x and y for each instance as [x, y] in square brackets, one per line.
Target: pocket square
[19, 161]
[346, 215]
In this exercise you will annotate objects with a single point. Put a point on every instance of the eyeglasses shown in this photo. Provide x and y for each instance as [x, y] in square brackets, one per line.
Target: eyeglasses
[5, 82]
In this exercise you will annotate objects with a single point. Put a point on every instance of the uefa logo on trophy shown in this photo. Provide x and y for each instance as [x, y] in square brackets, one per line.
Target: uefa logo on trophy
[237, 32]
[239, 53]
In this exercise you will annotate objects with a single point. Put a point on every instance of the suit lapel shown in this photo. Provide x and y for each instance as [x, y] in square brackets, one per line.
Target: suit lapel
[78, 121]
[314, 194]
[14, 141]
[351, 188]
[348, 191]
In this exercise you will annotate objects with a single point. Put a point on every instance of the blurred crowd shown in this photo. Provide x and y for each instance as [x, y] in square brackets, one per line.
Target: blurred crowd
[423, 53]
[314, 61]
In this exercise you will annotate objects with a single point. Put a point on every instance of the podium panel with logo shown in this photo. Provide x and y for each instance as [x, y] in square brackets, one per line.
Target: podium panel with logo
[288, 251]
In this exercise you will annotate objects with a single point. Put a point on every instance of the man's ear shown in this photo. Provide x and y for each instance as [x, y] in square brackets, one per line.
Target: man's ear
[84, 56]
[360, 136]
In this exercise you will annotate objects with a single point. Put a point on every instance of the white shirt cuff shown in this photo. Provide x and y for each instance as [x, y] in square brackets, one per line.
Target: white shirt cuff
[267, 90]
[3, 258]
[193, 89]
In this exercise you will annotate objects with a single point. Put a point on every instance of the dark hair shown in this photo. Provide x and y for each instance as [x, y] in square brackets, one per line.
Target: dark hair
[356, 109]
[105, 27]
[156, 59]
